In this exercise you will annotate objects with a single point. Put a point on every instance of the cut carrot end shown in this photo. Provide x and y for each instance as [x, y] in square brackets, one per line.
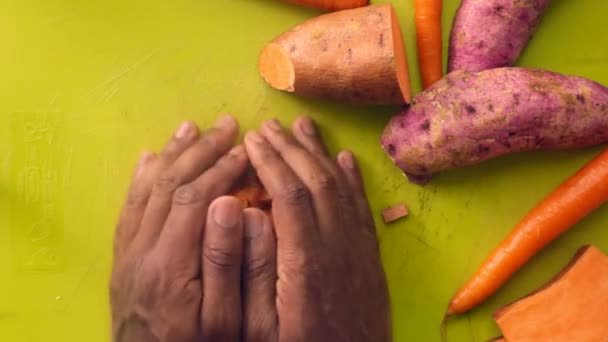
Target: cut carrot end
[276, 67]
[394, 213]
[403, 74]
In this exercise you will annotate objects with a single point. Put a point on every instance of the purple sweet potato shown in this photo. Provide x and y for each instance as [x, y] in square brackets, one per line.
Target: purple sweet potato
[491, 34]
[467, 118]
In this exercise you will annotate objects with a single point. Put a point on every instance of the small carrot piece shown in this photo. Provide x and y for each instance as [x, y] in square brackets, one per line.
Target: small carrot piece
[394, 213]
[569, 203]
[429, 40]
[330, 5]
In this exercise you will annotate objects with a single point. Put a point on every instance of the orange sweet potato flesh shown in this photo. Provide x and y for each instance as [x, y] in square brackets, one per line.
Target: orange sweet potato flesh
[572, 307]
[251, 193]
[354, 56]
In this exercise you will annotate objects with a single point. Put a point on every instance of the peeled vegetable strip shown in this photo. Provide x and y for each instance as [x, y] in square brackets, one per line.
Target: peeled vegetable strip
[572, 307]
[568, 204]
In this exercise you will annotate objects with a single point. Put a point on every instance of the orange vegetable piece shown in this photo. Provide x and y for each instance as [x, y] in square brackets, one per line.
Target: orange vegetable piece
[571, 307]
[429, 40]
[394, 213]
[569, 203]
[252, 194]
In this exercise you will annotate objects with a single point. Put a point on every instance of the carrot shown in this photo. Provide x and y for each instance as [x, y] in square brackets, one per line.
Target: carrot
[569, 203]
[394, 213]
[330, 5]
[429, 40]
[573, 306]
[251, 193]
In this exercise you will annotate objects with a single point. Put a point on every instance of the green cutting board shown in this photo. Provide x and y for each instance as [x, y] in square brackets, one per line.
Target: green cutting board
[86, 85]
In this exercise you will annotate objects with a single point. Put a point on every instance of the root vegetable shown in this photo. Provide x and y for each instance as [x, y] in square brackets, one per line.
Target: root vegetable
[572, 307]
[354, 56]
[429, 40]
[561, 210]
[467, 118]
[492, 33]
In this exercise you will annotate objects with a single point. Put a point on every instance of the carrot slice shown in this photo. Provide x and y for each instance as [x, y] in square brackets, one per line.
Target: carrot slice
[394, 213]
[571, 307]
[569, 203]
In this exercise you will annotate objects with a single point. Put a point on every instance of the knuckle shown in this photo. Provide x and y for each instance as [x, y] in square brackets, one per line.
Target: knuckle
[325, 183]
[227, 161]
[171, 150]
[259, 326]
[300, 265]
[221, 258]
[258, 268]
[187, 195]
[167, 182]
[210, 140]
[136, 199]
[267, 159]
[295, 194]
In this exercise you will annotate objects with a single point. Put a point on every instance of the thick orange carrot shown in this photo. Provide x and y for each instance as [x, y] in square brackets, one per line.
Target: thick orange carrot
[429, 39]
[330, 5]
[569, 203]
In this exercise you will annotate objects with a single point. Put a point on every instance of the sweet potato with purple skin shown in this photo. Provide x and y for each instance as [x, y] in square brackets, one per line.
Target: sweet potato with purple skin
[467, 118]
[491, 34]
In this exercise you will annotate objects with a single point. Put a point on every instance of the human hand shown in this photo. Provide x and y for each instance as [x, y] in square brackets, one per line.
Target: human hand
[330, 284]
[157, 290]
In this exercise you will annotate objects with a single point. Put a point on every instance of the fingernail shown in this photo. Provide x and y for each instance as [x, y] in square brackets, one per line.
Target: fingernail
[184, 130]
[254, 225]
[273, 125]
[227, 213]
[307, 126]
[346, 160]
[225, 121]
[254, 137]
[239, 149]
[143, 160]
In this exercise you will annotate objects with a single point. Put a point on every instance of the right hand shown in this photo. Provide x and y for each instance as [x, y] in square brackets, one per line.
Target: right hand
[325, 282]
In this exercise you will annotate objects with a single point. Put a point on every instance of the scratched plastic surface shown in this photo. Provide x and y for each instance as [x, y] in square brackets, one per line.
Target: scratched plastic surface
[86, 85]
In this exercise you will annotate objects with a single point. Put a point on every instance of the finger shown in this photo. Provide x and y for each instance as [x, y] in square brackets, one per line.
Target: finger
[321, 183]
[259, 278]
[189, 165]
[354, 178]
[137, 199]
[186, 135]
[293, 213]
[305, 131]
[222, 256]
[214, 143]
[180, 239]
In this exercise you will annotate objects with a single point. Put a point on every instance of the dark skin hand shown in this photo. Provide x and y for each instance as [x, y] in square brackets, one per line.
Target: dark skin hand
[330, 285]
[315, 275]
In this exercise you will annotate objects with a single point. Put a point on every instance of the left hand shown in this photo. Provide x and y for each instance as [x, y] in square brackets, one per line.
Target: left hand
[157, 290]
